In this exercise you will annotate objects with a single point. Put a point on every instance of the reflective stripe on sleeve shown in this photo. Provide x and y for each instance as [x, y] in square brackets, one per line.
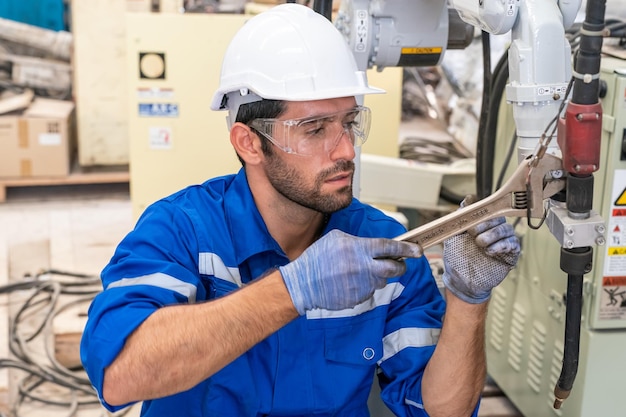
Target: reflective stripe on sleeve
[381, 297]
[408, 337]
[162, 281]
[414, 404]
[211, 264]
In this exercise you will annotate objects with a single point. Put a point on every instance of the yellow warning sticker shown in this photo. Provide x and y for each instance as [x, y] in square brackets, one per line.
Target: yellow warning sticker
[616, 251]
[621, 200]
[422, 50]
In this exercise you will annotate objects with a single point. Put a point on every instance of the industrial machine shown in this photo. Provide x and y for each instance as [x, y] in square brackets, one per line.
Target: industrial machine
[537, 325]
[525, 328]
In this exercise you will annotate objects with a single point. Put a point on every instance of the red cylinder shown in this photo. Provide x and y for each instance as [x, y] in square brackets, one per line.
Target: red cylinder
[579, 137]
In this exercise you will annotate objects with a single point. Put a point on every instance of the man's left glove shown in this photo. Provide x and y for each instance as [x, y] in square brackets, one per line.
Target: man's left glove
[479, 259]
[339, 270]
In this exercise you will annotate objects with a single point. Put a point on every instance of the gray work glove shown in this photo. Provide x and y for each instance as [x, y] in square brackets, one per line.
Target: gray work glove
[340, 270]
[479, 259]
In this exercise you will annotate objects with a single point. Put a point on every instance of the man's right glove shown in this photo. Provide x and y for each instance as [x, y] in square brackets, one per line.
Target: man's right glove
[479, 259]
[340, 270]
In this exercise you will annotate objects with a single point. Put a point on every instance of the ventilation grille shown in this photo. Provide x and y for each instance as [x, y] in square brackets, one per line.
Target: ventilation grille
[536, 356]
[497, 311]
[518, 324]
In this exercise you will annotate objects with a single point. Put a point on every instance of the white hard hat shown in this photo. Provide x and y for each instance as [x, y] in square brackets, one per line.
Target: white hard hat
[291, 53]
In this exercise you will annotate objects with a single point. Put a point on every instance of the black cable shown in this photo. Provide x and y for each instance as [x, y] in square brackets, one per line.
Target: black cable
[324, 7]
[17, 286]
[487, 134]
[487, 140]
[484, 178]
[507, 161]
[32, 301]
[575, 262]
[450, 196]
[37, 312]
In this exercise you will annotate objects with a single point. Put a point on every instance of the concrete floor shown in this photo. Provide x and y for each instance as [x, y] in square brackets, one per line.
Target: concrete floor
[66, 228]
[75, 229]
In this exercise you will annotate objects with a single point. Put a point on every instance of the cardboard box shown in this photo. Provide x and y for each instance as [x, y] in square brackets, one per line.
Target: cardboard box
[40, 142]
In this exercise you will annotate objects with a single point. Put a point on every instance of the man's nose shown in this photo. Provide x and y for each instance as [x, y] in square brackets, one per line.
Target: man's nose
[343, 146]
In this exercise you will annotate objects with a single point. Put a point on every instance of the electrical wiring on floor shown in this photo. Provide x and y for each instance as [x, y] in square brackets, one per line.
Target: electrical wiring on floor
[44, 381]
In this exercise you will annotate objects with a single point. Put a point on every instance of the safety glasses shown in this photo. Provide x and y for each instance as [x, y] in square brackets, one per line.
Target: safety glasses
[312, 135]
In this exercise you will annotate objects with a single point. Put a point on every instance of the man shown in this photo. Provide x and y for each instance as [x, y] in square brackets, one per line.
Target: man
[273, 292]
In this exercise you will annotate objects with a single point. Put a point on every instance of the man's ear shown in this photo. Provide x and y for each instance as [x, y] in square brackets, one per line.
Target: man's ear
[246, 143]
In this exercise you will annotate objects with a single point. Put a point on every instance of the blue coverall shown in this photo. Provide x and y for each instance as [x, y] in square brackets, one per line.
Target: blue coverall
[208, 240]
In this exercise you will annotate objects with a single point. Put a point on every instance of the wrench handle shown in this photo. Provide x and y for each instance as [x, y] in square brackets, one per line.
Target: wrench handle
[436, 231]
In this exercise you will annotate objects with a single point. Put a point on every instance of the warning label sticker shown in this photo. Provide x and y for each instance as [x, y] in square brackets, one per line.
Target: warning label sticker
[615, 263]
[617, 250]
[160, 137]
[621, 199]
[613, 298]
[422, 50]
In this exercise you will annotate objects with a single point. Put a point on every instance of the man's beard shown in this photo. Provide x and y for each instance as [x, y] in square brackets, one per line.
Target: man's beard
[290, 184]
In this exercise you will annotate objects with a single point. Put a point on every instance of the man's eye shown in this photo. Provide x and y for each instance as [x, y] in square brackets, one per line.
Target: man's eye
[319, 131]
[350, 124]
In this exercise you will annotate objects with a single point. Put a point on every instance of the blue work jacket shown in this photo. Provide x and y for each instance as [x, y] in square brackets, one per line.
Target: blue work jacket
[208, 240]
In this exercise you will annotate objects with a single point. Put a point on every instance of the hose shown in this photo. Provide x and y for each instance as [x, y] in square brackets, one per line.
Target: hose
[31, 331]
[484, 176]
[576, 262]
[587, 59]
[487, 133]
[324, 7]
[572, 339]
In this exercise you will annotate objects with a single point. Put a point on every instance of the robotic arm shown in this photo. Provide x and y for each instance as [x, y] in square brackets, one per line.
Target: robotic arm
[385, 33]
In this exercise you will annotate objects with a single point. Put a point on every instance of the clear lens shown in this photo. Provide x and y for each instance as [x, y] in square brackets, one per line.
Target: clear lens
[310, 136]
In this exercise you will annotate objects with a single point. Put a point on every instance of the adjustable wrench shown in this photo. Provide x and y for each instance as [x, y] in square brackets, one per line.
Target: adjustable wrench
[522, 195]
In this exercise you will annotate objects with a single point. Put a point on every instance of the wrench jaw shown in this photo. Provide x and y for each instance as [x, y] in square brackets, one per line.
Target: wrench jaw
[523, 195]
[546, 179]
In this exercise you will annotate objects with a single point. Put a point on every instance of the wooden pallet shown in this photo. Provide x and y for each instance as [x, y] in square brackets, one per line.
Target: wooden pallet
[78, 176]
